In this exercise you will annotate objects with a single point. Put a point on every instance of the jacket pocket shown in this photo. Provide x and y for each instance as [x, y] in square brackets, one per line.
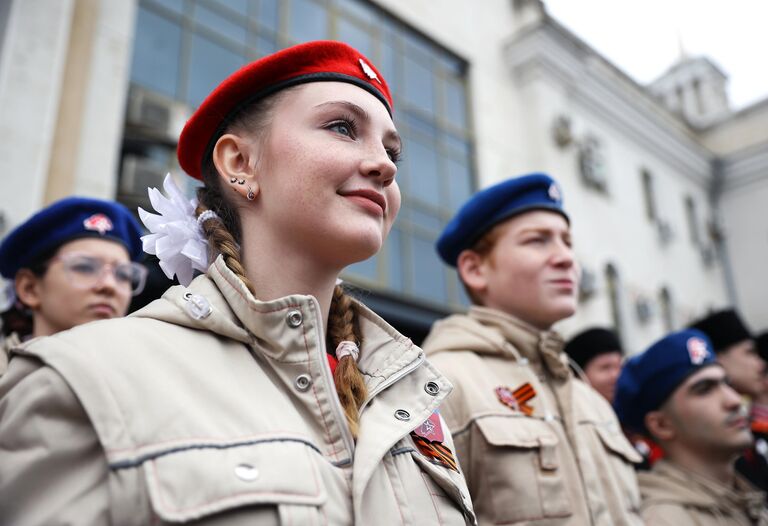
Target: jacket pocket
[522, 468]
[619, 472]
[280, 477]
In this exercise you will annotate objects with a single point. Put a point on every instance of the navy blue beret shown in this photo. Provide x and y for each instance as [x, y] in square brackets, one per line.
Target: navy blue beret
[494, 204]
[65, 220]
[649, 378]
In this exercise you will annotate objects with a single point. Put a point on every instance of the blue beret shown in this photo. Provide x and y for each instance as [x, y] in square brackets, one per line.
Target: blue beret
[649, 378]
[494, 204]
[66, 220]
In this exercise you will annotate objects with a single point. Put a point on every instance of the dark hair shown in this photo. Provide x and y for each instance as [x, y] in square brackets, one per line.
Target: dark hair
[225, 237]
[18, 318]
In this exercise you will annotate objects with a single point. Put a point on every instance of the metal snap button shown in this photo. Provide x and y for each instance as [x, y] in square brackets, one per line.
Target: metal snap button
[197, 306]
[432, 388]
[294, 318]
[246, 472]
[402, 414]
[303, 382]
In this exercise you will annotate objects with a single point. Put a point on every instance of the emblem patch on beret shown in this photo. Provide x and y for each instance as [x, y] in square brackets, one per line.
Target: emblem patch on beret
[554, 193]
[98, 223]
[518, 399]
[697, 350]
[368, 70]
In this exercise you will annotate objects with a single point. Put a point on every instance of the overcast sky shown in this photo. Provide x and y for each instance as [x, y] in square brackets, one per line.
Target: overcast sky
[642, 37]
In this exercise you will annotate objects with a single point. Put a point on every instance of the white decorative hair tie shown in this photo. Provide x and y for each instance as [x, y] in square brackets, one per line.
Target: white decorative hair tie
[347, 348]
[176, 236]
[205, 216]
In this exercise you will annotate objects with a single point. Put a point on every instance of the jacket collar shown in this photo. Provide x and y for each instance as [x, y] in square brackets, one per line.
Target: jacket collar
[540, 348]
[697, 490]
[221, 303]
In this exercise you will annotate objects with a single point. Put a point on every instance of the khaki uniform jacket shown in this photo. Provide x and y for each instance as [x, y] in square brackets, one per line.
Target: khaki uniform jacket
[537, 446]
[7, 343]
[675, 497]
[210, 407]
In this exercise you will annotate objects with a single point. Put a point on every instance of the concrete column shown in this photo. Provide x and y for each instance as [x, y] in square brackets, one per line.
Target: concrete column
[32, 62]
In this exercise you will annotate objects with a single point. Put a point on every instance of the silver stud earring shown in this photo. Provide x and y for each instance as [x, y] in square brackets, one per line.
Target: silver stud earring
[251, 196]
[241, 181]
[233, 180]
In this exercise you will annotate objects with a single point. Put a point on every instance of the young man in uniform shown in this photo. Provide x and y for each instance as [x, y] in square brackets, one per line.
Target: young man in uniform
[536, 446]
[678, 394]
[597, 353]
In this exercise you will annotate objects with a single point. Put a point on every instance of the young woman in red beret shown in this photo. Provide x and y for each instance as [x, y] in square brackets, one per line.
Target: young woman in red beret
[259, 392]
[75, 261]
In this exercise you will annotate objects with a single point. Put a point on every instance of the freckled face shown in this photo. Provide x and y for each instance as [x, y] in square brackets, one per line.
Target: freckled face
[326, 172]
[530, 272]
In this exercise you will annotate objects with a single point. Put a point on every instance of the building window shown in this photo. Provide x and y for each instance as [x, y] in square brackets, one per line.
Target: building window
[592, 165]
[667, 310]
[614, 297]
[692, 220]
[184, 48]
[649, 195]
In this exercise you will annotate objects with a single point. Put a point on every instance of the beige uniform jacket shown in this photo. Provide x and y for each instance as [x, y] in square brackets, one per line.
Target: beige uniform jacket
[209, 407]
[6, 344]
[537, 446]
[675, 497]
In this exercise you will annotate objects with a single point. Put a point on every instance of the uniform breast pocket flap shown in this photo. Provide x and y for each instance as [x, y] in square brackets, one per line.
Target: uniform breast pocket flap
[615, 442]
[200, 481]
[522, 469]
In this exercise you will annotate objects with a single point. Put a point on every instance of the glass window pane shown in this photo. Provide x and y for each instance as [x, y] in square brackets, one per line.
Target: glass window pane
[209, 64]
[388, 66]
[356, 36]
[156, 53]
[428, 274]
[364, 269]
[426, 220]
[173, 5]
[240, 6]
[419, 85]
[362, 10]
[309, 21]
[422, 167]
[455, 145]
[395, 260]
[220, 24]
[455, 105]
[268, 14]
[265, 45]
[459, 183]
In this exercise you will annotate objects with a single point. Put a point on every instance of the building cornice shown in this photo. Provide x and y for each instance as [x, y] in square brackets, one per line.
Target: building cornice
[548, 50]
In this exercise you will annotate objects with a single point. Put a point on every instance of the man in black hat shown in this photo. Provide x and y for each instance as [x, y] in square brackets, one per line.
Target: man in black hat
[597, 353]
[735, 349]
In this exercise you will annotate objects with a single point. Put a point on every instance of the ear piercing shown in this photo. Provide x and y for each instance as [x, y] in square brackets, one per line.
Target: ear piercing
[251, 196]
[234, 180]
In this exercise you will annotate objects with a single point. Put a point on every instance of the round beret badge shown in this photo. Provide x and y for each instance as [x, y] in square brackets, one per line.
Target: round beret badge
[697, 350]
[554, 192]
[98, 223]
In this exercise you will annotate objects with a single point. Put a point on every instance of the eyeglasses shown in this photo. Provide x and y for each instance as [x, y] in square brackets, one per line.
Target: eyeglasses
[85, 272]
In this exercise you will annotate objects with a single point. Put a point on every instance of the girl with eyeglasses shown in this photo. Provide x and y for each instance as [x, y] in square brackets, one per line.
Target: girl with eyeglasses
[73, 262]
[258, 392]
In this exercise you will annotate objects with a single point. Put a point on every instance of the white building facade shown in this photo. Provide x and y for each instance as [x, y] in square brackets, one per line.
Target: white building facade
[665, 190]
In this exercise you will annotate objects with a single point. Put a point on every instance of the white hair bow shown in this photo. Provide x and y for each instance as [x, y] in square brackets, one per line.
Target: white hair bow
[176, 236]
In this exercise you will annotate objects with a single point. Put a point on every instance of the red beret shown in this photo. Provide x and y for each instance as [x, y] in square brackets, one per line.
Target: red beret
[322, 60]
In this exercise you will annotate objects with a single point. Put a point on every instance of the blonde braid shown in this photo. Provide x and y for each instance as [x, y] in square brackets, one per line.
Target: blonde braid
[223, 241]
[350, 386]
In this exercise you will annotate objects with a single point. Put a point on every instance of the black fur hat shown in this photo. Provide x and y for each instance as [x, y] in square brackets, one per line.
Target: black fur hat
[590, 343]
[724, 328]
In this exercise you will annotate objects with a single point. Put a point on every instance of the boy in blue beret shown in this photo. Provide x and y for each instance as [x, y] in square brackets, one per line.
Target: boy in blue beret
[678, 395]
[536, 445]
[75, 261]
